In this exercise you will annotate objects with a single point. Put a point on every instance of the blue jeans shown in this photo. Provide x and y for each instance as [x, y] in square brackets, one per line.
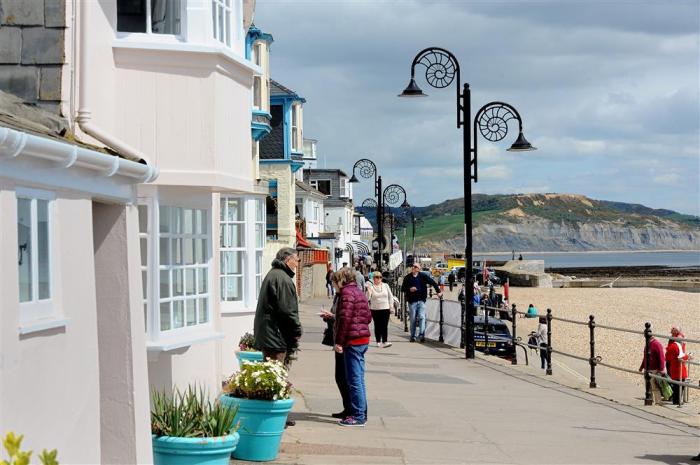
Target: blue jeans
[355, 374]
[417, 313]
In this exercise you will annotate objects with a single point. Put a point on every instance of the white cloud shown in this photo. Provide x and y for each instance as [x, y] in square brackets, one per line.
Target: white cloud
[667, 179]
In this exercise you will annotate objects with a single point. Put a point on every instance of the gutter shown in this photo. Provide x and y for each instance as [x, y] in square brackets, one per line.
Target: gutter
[15, 144]
[84, 117]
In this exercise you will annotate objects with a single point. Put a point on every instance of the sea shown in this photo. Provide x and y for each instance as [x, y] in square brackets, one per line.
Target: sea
[679, 259]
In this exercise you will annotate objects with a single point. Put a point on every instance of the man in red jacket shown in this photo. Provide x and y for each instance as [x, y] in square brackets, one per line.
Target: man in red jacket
[676, 356]
[657, 366]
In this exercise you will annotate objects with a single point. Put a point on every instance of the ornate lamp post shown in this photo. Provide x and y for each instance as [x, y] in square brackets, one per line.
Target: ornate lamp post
[367, 169]
[395, 196]
[441, 68]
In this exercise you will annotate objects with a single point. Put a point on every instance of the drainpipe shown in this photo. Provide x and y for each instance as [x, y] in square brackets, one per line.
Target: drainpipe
[84, 118]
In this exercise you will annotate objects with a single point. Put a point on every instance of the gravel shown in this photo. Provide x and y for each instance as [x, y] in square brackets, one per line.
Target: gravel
[626, 308]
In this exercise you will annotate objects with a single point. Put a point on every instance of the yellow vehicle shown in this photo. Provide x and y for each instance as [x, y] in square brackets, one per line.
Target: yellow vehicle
[454, 262]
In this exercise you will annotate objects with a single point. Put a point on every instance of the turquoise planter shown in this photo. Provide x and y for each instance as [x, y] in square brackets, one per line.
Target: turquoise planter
[261, 426]
[252, 356]
[168, 450]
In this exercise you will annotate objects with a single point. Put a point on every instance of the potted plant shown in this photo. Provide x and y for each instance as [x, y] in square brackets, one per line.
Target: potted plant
[262, 393]
[190, 429]
[13, 447]
[246, 351]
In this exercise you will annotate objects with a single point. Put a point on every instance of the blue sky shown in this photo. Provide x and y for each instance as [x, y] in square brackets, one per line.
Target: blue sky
[608, 92]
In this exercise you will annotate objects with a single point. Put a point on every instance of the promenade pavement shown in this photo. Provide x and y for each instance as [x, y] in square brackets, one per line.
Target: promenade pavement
[428, 405]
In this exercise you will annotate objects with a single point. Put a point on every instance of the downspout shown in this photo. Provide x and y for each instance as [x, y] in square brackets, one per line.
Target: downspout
[84, 118]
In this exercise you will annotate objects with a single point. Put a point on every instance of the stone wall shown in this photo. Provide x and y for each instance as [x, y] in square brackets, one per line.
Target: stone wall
[32, 50]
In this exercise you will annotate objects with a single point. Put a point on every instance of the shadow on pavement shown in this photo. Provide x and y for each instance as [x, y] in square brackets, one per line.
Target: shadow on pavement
[311, 416]
[669, 459]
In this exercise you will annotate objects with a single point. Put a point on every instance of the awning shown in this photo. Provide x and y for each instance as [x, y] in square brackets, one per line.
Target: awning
[360, 247]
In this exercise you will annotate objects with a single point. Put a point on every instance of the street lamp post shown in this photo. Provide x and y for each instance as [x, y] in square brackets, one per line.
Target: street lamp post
[367, 169]
[441, 68]
[395, 196]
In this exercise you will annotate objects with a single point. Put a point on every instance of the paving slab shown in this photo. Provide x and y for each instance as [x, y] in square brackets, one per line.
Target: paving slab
[428, 405]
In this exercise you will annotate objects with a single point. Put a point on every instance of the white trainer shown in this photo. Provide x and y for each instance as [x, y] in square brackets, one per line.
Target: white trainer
[386, 344]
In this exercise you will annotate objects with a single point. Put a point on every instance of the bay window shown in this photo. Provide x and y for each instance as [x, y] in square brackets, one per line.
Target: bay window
[222, 15]
[256, 58]
[242, 224]
[174, 242]
[149, 16]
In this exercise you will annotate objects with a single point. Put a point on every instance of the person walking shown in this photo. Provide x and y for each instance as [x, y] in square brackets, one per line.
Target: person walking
[657, 366]
[341, 379]
[276, 325]
[359, 277]
[352, 334]
[441, 282]
[381, 300]
[676, 357]
[329, 284]
[415, 286]
[542, 341]
[451, 279]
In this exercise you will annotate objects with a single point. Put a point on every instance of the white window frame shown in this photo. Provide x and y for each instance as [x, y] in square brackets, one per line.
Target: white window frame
[186, 335]
[149, 19]
[242, 249]
[252, 266]
[315, 182]
[145, 263]
[38, 314]
[255, 56]
[230, 12]
[344, 188]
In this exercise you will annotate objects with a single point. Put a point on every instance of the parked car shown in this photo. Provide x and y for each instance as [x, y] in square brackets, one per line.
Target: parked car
[492, 276]
[500, 341]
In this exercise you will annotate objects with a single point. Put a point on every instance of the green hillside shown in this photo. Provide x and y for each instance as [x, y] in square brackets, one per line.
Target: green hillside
[446, 219]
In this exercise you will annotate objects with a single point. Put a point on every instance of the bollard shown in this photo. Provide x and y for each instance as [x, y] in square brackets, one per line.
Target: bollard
[406, 316]
[648, 399]
[486, 330]
[514, 360]
[592, 361]
[462, 328]
[442, 321]
[549, 341]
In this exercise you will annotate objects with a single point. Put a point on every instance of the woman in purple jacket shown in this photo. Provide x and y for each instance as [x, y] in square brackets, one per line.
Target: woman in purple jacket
[352, 334]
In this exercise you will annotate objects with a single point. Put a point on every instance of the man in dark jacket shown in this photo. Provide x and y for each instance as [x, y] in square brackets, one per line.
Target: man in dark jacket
[277, 326]
[415, 286]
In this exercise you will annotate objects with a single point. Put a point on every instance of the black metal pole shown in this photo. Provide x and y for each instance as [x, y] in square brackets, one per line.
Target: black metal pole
[486, 330]
[462, 327]
[468, 275]
[648, 399]
[442, 321]
[592, 361]
[514, 360]
[549, 341]
[380, 221]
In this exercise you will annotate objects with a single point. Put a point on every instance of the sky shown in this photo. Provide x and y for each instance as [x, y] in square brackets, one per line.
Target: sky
[608, 92]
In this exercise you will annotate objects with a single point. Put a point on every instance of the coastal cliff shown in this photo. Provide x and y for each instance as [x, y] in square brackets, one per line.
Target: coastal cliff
[554, 222]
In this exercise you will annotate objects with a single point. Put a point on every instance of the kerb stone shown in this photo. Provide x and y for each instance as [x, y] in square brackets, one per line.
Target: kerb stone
[22, 12]
[10, 44]
[42, 46]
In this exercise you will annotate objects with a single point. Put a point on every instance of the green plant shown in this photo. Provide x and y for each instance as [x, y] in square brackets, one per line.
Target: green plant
[190, 415]
[247, 342]
[266, 380]
[13, 446]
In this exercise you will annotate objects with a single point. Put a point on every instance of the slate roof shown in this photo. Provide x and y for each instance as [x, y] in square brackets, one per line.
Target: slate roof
[272, 145]
[278, 89]
[20, 115]
[310, 189]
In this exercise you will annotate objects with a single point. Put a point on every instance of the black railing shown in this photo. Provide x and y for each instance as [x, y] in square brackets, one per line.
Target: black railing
[593, 359]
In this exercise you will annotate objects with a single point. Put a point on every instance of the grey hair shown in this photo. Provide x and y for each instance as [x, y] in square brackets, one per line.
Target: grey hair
[284, 253]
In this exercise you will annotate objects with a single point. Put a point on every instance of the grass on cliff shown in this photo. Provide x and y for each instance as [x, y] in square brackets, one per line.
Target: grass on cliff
[440, 228]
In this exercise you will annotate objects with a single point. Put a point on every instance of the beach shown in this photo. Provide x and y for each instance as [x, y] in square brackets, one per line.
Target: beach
[627, 308]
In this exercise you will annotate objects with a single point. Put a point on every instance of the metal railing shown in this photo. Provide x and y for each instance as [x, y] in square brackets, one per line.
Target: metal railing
[594, 360]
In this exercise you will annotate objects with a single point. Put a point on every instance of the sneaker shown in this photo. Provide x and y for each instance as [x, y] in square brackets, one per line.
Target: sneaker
[379, 344]
[387, 344]
[350, 421]
[413, 339]
[340, 415]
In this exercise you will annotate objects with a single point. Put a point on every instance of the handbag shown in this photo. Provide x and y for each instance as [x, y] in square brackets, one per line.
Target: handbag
[328, 339]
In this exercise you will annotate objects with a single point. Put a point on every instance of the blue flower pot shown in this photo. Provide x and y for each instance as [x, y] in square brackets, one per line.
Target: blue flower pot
[169, 450]
[252, 356]
[261, 426]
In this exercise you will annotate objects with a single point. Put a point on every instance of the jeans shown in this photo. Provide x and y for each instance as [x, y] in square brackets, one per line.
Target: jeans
[417, 313]
[342, 382]
[355, 373]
